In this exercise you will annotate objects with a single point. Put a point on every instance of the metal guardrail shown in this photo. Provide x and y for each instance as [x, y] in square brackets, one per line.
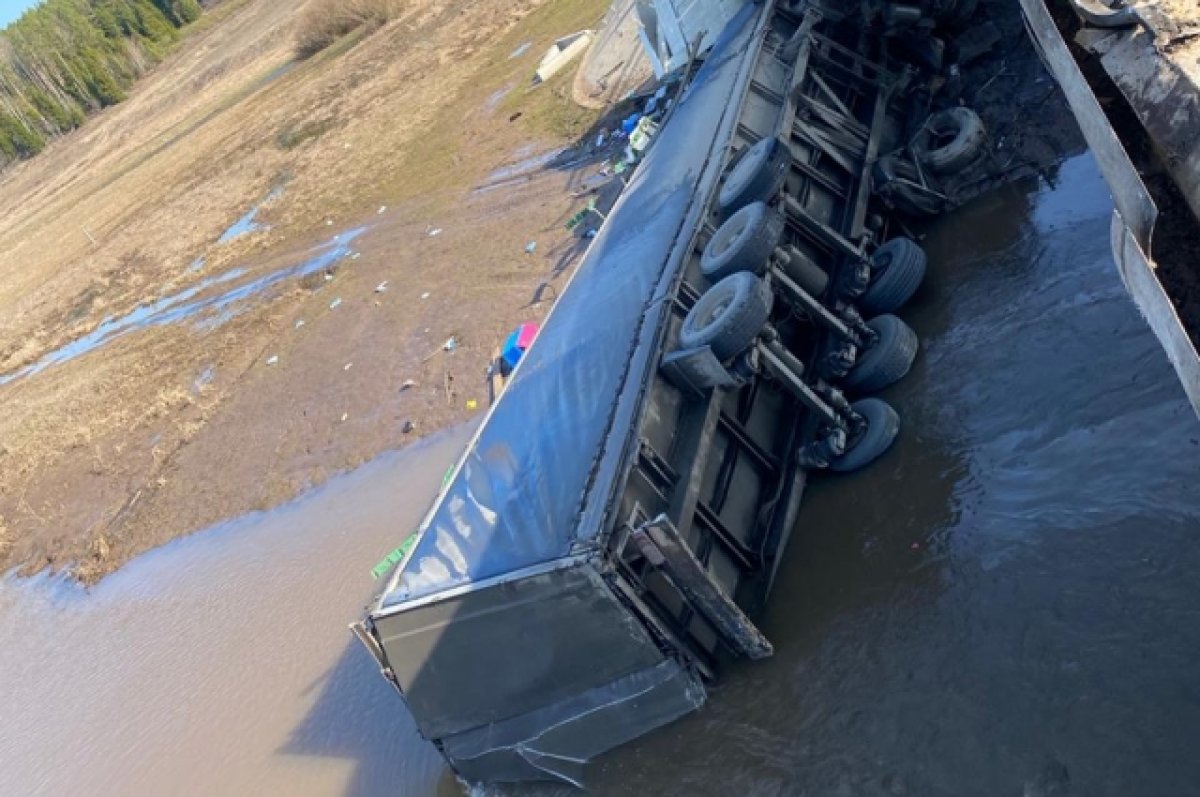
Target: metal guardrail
[1135, 213]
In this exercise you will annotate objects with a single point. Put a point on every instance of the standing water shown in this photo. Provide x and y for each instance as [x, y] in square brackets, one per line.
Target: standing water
[222, 663]
[1005, 604]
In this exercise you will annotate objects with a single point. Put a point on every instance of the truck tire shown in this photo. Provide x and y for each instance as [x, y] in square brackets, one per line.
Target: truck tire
[743, 243]
[883, 424]
[755, 176]
[950, 140]
[897, 184]
[897, 269]
[888, 360]
[729, 316]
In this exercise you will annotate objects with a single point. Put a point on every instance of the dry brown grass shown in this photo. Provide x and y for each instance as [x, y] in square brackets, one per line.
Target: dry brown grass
[124, 445]
[322, 22]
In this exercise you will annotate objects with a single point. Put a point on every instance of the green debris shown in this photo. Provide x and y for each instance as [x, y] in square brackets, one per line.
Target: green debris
[394, 558]
[574, 221]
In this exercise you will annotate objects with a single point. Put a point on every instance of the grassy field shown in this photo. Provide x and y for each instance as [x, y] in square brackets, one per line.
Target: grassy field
[169, 429]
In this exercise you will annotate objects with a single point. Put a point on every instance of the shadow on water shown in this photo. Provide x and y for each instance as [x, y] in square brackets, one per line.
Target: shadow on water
[221, 663]
[352, 720]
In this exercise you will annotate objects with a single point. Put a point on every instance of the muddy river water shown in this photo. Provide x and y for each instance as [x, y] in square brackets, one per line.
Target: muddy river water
[1006, 604]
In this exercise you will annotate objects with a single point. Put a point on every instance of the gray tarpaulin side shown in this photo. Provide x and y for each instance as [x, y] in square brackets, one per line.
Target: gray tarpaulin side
[518, 496]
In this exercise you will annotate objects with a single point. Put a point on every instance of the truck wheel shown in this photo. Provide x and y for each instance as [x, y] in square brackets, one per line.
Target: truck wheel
[728, 316]
[757, 175]
[897, 269]
[743, 243]
[895, 182]
[950, 140]
[888, 360]
[882, 426]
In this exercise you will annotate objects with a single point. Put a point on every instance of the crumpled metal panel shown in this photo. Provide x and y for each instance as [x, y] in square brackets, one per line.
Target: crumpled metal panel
[517, 496]
[555, 742]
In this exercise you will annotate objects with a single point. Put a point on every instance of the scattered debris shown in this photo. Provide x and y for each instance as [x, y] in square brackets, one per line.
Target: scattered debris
[381, 211]
[346, 367]
[451, 344]
[531, 247]
[328, 276]
[356, 256]
[381, 287]
[408, 385]
[393, 558]
[345, 416]
[328, 222]
[408, 427]
[640, 138]
[334, 304]
[299, 323]
[273, 359]
[434, 231]
[425, 295]
[561, 53]
[520, 51]
[517, 343]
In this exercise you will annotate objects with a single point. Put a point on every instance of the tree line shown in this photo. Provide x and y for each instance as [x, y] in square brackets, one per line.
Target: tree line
[65, 59]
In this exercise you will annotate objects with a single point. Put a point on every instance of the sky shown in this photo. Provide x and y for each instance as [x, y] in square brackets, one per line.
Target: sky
[11, 9]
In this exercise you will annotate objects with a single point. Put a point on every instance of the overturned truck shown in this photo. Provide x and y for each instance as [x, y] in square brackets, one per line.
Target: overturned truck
[606, 537]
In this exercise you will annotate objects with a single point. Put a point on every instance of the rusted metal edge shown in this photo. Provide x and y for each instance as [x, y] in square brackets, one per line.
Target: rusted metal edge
[1135, 212]
[660, 543]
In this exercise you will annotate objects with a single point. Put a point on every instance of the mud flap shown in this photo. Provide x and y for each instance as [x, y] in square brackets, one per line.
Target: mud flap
[555, 742]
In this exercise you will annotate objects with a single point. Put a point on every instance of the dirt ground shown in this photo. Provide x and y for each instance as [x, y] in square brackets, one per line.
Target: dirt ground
[170, 428]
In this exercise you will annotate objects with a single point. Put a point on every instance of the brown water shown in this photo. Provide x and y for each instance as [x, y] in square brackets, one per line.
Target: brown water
[221, 663]
[1006, 604]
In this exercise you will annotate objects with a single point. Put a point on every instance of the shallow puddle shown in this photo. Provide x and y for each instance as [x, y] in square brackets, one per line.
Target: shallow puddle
[526, 166]
[249, 223]
[208, 311]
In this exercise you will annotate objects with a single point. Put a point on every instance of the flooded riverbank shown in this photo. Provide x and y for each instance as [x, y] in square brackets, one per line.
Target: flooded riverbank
[221, 663]
[1013, 611]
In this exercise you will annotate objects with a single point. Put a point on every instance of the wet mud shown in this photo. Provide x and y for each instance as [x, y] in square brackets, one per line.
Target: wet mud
[1004, 604]
[209, 310]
